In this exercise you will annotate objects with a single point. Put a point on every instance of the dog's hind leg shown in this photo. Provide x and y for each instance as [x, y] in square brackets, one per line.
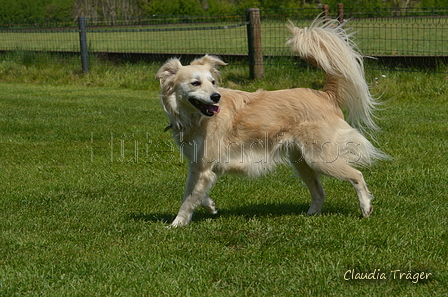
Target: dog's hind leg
[340, 169]
[199, 183]
[311, 179]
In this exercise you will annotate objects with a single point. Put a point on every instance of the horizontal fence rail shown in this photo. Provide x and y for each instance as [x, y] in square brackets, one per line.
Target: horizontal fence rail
[395, 33]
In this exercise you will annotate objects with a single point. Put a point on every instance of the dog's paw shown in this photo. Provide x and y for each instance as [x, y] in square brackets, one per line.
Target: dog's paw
[314, 210]
[209, 205]
[367, 214]
[313, 213]
[180, 221]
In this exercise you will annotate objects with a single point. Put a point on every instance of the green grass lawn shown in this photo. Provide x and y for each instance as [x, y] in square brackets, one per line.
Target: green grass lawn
[89, 181]
[387, 36]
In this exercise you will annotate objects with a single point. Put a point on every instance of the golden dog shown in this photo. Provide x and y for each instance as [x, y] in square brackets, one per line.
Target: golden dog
[221, 130]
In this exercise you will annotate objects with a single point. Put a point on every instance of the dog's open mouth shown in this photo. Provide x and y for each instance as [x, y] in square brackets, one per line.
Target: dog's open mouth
[206, 109]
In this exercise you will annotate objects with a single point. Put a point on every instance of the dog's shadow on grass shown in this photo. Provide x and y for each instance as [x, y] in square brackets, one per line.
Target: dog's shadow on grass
[249, 211]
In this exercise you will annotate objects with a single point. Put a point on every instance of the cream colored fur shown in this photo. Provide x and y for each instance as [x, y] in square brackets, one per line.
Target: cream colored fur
[229, 131]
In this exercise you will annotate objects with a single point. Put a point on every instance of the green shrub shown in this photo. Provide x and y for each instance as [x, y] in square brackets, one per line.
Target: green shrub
[217, 7]
[173, 7]
[34, 10]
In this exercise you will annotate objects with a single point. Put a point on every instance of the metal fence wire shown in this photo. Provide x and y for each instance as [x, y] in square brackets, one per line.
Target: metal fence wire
[379, 32]
[409, 36]
[151, 34]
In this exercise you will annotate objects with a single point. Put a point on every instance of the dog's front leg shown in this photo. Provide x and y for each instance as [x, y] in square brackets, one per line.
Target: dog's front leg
[199, 182]
[209, 205]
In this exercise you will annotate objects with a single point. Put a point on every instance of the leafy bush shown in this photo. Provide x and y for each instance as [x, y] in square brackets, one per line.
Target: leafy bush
[39, 10]
[173, 7]
[35, 9]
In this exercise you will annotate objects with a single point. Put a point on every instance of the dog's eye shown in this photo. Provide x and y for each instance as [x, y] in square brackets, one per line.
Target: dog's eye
[196, 83]
[213, 82]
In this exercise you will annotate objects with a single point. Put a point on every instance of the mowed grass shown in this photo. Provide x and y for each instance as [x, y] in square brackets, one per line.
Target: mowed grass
[381, 36]
[89, 182]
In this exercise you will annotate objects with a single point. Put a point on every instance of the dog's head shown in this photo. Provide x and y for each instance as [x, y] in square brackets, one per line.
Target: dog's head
[195, 86]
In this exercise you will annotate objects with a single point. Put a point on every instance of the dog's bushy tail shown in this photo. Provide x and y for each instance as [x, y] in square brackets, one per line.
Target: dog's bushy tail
[327, 45]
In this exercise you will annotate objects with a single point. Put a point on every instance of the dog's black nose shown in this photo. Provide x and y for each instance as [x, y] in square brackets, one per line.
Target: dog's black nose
[215, 97]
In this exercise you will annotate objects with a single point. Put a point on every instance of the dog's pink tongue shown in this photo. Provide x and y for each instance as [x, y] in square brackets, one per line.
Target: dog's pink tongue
[214, 108]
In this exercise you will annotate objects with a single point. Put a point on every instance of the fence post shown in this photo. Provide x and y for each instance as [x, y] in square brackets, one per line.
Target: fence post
[326, 10]
[83, 44]
[341, 12]
[254, 43]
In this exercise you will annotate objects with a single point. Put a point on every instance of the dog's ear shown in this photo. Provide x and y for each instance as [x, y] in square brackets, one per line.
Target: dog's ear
[168, 70]
[211, 61]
